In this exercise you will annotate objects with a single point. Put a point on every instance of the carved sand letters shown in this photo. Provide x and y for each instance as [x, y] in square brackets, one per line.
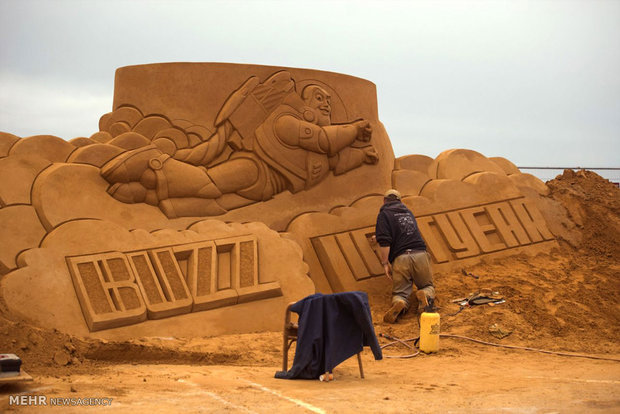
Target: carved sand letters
[106, 290]
[117, 289]
[483, 229]
[450, 236]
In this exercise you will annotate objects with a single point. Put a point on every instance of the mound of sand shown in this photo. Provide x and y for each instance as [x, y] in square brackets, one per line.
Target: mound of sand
[593, 204]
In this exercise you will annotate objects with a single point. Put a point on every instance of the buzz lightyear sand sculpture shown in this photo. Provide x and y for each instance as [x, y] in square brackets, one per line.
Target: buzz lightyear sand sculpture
[293, 149]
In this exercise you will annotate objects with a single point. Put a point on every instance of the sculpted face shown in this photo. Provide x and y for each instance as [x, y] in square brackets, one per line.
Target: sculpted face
[318, 99]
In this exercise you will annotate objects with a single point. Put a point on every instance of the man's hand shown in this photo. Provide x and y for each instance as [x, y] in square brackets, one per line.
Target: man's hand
[387, 269]
[384, 255]
[364, 130]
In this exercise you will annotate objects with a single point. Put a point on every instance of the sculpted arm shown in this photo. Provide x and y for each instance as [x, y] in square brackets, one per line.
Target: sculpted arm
[351, 157]
[329, 139]
[342, 136]
[298, 133]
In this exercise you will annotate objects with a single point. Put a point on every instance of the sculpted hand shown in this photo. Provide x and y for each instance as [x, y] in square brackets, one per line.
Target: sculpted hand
[371, 156]
[364, 130]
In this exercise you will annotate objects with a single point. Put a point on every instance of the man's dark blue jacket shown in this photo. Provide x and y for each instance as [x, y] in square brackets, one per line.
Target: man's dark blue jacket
[332, 328]
[397, 228]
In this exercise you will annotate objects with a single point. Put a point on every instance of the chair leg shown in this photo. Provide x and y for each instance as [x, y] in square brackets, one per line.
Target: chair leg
[359, 362]
[285, 336]
[285, 354]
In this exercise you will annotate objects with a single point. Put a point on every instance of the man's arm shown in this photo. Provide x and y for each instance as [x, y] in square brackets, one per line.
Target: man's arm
[384, 239]
[384, 252]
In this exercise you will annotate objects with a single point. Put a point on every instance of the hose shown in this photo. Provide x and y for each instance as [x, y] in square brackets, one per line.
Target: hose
[524, 348]
[397, 341]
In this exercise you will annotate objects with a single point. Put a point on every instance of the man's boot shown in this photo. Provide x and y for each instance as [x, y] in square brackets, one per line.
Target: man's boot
[398, 306]
[422, 301]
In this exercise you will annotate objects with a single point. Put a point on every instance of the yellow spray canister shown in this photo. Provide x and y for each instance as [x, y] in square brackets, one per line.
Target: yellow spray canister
[429, 332]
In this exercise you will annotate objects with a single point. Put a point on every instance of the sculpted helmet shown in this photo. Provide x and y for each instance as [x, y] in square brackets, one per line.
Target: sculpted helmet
[320, 101]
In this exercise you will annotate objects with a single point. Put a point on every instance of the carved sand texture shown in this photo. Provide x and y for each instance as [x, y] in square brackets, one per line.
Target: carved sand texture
[256, 135]
[18, 173]
[96, 154]
[51, 148]
[6, 142]
[116, 227]
[464, 216]
[111, 287]
[204, 268]
[92, 285]
[247, 274]
[21, 230]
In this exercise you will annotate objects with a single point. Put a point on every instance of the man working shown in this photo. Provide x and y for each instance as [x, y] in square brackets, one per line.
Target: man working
[403, 256]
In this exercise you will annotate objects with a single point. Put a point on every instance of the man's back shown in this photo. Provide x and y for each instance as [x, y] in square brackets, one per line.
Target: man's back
[397, 227]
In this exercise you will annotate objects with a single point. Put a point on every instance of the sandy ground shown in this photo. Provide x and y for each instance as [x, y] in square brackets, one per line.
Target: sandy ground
[566, 301]
[462, 378]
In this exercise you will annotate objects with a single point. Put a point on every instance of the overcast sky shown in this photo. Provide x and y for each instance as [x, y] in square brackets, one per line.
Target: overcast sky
[537, 82]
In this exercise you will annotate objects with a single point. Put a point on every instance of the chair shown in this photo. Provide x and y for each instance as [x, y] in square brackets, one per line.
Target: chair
[290, 336]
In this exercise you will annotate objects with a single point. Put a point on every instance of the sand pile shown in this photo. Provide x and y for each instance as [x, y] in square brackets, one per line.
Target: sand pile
[54, 353]
[593, 203]
[569, 300]
[566, 301]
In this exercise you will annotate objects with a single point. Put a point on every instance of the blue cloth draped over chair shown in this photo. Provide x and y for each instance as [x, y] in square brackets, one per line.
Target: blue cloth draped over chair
[332, 328]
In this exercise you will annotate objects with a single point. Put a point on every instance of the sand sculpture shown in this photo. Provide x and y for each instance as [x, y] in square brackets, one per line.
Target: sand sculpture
[280, 140]
[214, 194]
